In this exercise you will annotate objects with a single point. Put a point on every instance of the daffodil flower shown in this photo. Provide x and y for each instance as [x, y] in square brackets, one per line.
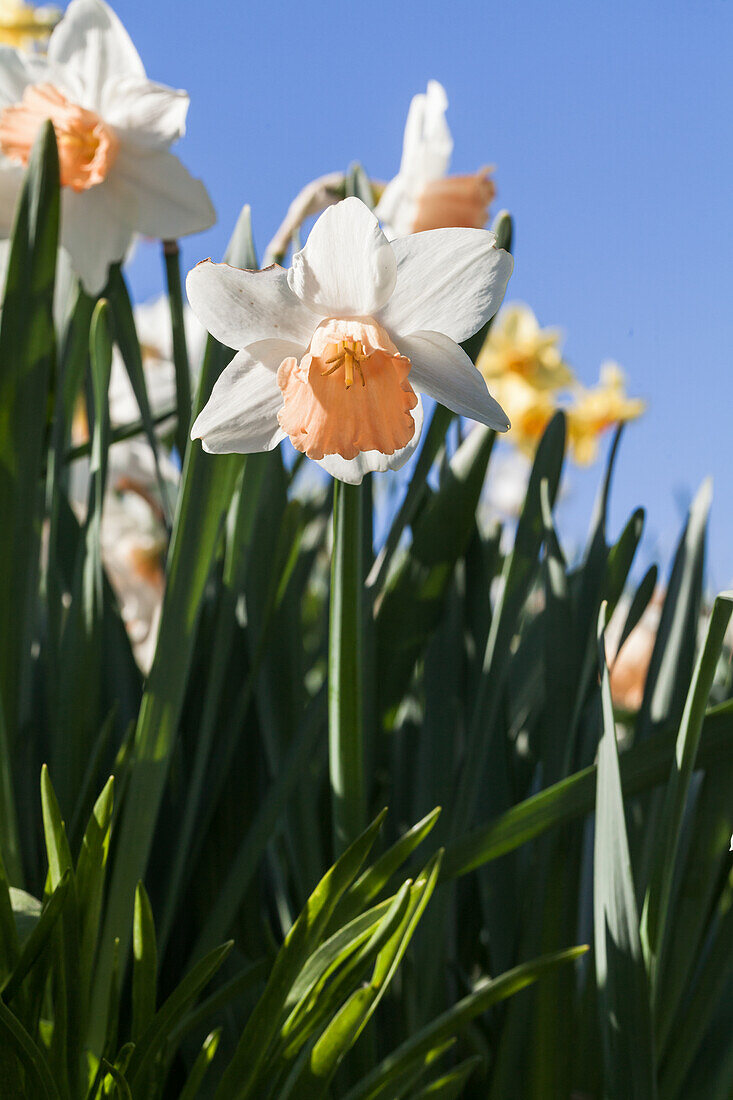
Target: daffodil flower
[113, 127]
[334, 351]
[23, 26]
[595, 410]
[517, 345]
[422, 195]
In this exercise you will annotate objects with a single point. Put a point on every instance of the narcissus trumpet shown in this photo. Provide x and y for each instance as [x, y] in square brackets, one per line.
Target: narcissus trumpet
[334, 351]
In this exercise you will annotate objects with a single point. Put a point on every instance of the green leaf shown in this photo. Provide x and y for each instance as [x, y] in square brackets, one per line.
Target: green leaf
[639, 604]
[27, 358]
[642, 767]
[9, 945]
[657, 899]
[129, 345]
[450, 1085]
[16, 1038]
[57, 846]
[204, 1058]
[351, 1019]
[623, 991]
[172, 1012]
[414, 594]
[206, 490]
[264, 828]
[376, 877]
[245, 1069]
[37, 940]
[90, 874]
[449, 1023]
[144, 965]
[519, 571]
[671, 664]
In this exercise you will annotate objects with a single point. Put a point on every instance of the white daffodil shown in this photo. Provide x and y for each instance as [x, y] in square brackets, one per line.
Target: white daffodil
[422, 195]
[153, 324]
[332, 351]
[113, 128]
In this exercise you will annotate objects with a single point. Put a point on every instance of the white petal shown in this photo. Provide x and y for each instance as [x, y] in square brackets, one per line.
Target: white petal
[239, 307]
[17, 71]
[347, 267]
[93, 40]
[162, 197]
[153, 113]
[426, 154]
[352, 470]
[428, 144]
[94, 233]
[441, 369]
[448, 280]
[241, 414]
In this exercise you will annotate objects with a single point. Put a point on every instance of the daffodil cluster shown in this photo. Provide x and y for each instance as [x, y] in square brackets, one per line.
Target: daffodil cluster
[524, 366]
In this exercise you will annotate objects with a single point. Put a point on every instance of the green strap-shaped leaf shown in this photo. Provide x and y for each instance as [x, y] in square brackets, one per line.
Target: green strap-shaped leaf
[519, 571]
[657, 899]
[623, 989]
[27, 358]
[449, 1023]
[39, 1079]
[38, 938]
[144, 965]
[249, 1061]
[375, 878]
[206, 490]
[414, 594]
[642, 768]
[204, 1058]
[172, 1012]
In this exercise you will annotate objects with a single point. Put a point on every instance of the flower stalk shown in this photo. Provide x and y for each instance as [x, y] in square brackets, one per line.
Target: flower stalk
[345, 666]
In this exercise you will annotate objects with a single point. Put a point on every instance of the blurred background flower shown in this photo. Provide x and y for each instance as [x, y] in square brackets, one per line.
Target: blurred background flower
[422, 195]
[526, 372]
[24, 26]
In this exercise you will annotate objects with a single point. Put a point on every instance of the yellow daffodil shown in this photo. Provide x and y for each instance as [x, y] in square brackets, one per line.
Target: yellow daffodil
[529, 410]
[23, 26]
[597, 409]
[517, 345]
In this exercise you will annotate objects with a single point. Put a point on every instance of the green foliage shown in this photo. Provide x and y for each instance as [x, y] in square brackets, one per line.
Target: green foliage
[194, 906]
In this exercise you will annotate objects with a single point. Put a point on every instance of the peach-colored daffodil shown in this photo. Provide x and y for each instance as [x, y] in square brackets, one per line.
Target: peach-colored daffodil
[422, 195]
[24, 26]
[113, 127]
[334, 351]
[516, 344]
[595, 410]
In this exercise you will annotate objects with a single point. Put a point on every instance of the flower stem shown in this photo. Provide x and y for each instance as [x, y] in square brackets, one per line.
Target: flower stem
[180, 351]
[345, 665]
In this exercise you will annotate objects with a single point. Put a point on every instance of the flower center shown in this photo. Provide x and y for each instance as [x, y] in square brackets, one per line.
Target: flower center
[325, 413]
[87, 147]
[349, 354]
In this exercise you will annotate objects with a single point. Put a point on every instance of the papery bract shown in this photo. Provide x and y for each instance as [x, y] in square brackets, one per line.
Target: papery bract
[334, 352]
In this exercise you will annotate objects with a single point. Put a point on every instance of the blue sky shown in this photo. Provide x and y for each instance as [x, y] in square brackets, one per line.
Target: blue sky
[610, 126]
